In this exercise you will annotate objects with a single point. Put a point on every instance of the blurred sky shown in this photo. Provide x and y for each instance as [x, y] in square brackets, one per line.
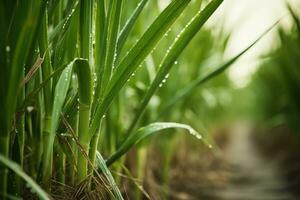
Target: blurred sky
[247, 19]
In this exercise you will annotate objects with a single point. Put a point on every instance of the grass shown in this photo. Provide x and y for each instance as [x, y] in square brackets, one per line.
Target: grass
[280, 71]
[67, 70]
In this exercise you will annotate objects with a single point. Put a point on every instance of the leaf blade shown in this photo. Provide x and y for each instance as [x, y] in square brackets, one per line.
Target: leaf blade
[145, 132]
[194, 84]
[181, 41]
[18, 170]
[137, 54]
[102, 165]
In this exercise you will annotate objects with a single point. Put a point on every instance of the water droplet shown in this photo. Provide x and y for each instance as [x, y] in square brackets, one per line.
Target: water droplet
[30, 108]
[7, 48]
[176, 62]
[199, 137]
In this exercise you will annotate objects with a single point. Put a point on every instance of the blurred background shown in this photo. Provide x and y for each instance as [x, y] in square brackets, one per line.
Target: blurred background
[249, 113]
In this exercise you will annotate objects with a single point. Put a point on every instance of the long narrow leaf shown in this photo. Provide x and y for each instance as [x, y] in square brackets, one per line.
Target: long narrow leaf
[137, 54]
[102, 165]
[145, 132]
[193, 85]
[62, 27]
[181, 41]
[60, 93]
[129, 25]
[31, 183]
[113, 21]
[100, 48]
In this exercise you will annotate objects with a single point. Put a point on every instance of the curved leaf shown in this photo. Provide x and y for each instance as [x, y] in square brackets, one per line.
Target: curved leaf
[193, 85]
[145, 132]
[136, 55]
[113, 23]
[102, 165]
[60, 94]
[18, 170]
[129, 25]
[63, 25]
[181, 41]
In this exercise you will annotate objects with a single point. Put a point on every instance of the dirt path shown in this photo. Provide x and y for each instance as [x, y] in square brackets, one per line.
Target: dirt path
[239, 170]
[252, 177]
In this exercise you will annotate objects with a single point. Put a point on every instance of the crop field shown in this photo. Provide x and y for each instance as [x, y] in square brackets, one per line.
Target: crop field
[136, 99]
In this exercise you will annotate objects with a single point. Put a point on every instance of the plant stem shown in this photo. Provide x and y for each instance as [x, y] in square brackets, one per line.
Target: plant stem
[93, 150]
[85, 87]
[48, 140]
[60, 166]
[84, 140]
[47, 152]
[4, 150]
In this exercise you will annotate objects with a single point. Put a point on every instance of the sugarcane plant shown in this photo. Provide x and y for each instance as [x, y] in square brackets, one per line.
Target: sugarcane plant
[66, 69]
[280, 71]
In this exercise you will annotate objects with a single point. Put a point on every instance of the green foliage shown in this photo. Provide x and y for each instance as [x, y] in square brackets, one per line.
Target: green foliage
[30, 183]
[78, 76]
[145, 132]
[280, 73]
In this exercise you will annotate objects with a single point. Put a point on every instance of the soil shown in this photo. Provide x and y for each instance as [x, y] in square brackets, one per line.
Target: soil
[248, 165]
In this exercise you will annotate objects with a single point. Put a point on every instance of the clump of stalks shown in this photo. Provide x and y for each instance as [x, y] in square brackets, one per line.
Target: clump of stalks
[279, 70]
[65, 81]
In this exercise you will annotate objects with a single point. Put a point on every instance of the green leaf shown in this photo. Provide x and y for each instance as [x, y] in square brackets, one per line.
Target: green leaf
[136, 55]
[62, 27]
[145, 132]
[46, 65]
[60, 94]
[31, 183]
[113, 23]
[22, 39]
[85, 29]
[43, 84]
[181, 41]
[218, 70]
[100, 48]
[295, 18]
[100, 162]
[129, 25]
